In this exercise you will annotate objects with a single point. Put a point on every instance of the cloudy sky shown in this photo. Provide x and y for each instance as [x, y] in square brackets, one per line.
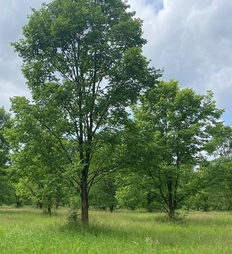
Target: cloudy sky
[190, 39]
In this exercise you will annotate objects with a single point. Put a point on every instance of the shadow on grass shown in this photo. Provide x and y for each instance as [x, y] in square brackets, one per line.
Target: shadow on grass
[96, 230]
[178, 219]
[141, 226]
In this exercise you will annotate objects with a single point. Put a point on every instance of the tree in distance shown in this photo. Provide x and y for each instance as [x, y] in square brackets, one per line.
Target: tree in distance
[7, 190]
[219, 172]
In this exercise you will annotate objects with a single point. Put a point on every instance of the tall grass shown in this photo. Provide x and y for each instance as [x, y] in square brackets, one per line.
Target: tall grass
[30, 231]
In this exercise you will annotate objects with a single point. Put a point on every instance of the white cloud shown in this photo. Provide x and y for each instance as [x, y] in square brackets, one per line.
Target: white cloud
[13, 15]
[9, 90]
[192, 41]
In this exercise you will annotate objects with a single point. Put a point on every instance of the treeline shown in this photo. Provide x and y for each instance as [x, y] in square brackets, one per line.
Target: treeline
[103, 129]
[157, 161]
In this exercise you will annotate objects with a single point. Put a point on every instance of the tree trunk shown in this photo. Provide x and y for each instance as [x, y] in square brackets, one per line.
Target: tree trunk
[172, 204]
[49, 210]
[206, 207]
[18, 201]
[171, 212]
[84, 197]
[111, 208]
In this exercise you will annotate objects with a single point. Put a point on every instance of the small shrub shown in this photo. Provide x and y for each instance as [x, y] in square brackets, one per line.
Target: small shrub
[74, 212]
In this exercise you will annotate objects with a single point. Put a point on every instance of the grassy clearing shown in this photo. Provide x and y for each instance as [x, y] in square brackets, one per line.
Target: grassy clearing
[29, 231]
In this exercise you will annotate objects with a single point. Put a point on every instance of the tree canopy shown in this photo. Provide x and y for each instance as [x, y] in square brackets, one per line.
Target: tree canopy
[171, 129]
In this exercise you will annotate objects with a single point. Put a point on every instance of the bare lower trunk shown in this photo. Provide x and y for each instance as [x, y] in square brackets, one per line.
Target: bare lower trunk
[171, 200]
[18, 201]
[111, 208]
[171, 212]
[84, 198]
[49, 210]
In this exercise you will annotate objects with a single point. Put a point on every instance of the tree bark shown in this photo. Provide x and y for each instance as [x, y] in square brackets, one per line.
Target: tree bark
[172, 204]
[171, 212]
[84, 197]
[49, 210]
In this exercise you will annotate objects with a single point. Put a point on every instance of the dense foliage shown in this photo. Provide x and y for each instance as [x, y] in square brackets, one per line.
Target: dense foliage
[101, 129]
[7, 190]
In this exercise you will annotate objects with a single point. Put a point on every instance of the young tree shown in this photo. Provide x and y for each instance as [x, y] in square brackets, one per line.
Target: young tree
[219, 170]
[132, 191]
[37, 161]
[171, 129]
[102, 195]
[83, 59]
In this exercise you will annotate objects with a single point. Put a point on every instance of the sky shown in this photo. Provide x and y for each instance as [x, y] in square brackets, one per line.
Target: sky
[191, 40]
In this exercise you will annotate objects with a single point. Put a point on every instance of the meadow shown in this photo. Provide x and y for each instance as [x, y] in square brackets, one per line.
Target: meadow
[28, 230]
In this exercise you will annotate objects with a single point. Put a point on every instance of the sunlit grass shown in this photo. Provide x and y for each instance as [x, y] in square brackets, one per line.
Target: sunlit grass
[27, 230]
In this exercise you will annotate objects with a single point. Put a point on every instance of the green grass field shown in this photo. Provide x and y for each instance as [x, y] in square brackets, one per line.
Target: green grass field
[29, 231]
